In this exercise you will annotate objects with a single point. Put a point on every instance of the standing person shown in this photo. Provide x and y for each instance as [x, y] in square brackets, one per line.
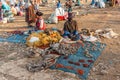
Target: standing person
[36, 5]
[30, 14]
[40, 25]
[68, 5]
[70, 28]
[59, 11]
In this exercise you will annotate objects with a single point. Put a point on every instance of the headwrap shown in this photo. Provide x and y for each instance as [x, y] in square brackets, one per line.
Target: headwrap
[39, 13]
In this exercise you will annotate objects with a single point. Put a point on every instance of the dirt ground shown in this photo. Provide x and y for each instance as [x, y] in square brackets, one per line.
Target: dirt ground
[107, 67]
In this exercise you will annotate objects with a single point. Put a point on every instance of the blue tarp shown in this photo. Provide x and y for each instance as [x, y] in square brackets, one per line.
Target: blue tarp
[16, 38]
[76, 57]
[79, 55]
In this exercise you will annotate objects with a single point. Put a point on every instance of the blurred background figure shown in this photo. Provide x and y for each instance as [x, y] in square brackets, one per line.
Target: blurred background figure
[1, 12]
[40, 24]
[14, 11]
[29, 13]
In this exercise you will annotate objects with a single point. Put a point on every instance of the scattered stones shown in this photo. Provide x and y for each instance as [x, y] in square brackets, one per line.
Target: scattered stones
[103, 72]
[12, 54]
[94, 69]
[118, 77]
[2, 77]
[70, 74]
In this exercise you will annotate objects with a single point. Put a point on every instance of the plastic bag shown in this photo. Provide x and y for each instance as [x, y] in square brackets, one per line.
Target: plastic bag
[102, 4]
[53, 19]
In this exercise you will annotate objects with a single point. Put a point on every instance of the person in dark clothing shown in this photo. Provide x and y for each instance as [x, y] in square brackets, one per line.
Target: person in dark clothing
[71, 28]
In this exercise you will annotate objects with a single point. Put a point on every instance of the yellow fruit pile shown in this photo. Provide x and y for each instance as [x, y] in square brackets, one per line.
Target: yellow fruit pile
[44, 39]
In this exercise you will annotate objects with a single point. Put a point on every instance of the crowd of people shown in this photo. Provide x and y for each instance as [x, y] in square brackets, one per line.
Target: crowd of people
[30, 9]
[9, 9]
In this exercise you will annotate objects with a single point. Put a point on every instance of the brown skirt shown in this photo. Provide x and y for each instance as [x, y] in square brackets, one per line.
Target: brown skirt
[30, 15]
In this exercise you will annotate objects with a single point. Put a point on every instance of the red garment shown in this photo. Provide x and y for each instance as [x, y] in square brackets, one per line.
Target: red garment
[60, 18]
[40, 25]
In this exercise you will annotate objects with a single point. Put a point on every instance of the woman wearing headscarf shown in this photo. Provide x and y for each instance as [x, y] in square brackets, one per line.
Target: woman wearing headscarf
[40, 25]
[59, 11]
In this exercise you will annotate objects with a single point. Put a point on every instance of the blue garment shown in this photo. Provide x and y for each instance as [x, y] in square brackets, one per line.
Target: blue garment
[69, 10]
[58, 5]
[70, 35]
[93, 2]
[5, 7]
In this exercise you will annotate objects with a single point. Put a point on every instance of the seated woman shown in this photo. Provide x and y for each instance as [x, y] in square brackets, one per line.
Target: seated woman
[19, 12]
[71, 28]
[59, 12]
[40, 25]
[14, 11]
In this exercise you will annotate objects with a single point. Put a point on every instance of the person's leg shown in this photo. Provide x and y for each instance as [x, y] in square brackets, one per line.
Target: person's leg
[76, 35]
[66, 34]
[75, 32]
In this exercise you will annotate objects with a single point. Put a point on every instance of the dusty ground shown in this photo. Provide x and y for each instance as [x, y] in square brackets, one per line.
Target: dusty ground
[107, 67]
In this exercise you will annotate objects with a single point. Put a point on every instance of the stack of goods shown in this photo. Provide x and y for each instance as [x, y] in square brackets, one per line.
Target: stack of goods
[43, 39]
